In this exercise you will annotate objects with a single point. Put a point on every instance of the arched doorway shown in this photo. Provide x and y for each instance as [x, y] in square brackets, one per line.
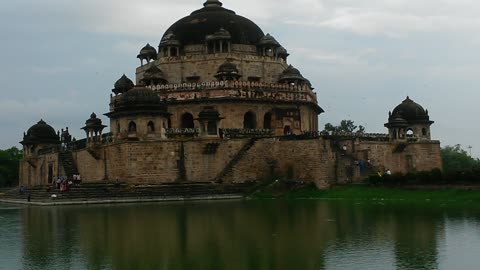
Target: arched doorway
[267, 121]
[132, 127]
[249, 121]
[187, 121]
[150, 127]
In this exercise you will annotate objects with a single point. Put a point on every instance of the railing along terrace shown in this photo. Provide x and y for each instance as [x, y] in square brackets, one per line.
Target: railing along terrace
[230, 85]
[181, 132]
[239, 52]
[246, 133]
[347, 135]
[237, 90]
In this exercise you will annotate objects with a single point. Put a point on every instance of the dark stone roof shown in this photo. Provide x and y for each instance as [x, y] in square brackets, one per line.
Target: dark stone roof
[221, 34]
[209, 113]
[139, 100]
[409, 111]
[194, 28]
[140, 96]
[123, 85]
[147, 52]
[93, 123]
[282, 51]
[153, 73]
[169, 39]
[40, 133]
[291, 73]
[268, 40]
[227, 67]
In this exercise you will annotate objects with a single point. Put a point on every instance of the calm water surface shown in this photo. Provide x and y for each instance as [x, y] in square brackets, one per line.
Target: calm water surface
[300, 234]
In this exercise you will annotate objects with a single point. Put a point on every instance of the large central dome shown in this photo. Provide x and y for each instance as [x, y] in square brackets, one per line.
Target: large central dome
[211, 18]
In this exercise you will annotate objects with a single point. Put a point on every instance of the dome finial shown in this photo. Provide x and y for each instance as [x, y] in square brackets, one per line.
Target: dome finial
[212, 3]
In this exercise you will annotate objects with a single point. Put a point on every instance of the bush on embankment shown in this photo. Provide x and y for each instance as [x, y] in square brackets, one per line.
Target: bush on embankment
[433, 177]
[452, 196]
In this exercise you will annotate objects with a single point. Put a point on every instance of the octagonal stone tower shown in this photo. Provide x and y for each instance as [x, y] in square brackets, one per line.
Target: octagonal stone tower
[218, 62]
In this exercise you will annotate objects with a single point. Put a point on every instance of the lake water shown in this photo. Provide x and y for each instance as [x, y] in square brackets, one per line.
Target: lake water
[302, 234]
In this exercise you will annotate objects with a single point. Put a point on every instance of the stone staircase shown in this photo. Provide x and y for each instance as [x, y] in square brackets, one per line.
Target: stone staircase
[228, 169]
[119, 192]
[66, 160]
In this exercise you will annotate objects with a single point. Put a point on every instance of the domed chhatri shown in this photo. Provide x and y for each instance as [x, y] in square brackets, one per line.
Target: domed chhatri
[40, 133]
[123, 85]
[292, 75]
[411, 111]
[147, 53]
[409, 120]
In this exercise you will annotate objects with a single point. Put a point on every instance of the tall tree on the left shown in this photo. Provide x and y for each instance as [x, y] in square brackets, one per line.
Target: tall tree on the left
[9, 164]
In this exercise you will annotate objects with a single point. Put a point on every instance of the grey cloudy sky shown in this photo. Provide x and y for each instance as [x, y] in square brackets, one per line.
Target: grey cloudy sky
[60, 58]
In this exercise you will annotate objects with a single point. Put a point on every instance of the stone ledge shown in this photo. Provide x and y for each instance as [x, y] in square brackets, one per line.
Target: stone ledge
[132, 200]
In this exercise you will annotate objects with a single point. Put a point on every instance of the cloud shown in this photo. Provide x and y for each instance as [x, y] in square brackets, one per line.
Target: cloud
[150, 18]
[50, 70]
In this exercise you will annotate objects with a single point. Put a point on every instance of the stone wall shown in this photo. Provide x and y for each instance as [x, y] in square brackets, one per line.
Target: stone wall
[34, 170]
[319, 160]
[178, 69]
[306, 160]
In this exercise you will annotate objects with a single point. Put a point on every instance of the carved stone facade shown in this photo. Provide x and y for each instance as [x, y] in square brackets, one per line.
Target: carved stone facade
[218, 101]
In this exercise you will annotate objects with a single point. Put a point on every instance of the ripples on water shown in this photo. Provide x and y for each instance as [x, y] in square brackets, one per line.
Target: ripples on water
[240, 235]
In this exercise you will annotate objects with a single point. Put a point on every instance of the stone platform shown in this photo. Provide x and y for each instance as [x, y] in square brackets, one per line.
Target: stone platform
[123, 193]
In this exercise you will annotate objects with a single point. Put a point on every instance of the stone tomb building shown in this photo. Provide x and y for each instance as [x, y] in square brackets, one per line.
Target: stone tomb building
[218, 101]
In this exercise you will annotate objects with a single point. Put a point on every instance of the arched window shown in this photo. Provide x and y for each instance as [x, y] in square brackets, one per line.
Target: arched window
[187, 121]
[409, 132]
[267, 121]
[424, 132]
[212, 127]
[132, 127]
[118, 127]
[249, 121]
[150, 127]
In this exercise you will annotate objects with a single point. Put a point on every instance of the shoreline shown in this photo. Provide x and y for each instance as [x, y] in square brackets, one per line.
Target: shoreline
[417, 194]
[123, 201]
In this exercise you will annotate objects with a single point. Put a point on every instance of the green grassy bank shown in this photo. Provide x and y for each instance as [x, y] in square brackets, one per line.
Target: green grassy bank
[446, 194]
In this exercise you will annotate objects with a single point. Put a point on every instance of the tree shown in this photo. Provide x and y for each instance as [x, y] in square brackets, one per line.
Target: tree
[345, 126]
[456, 159]
[9, 166]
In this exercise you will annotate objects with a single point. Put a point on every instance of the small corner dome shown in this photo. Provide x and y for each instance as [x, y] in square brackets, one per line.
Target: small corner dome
[291, 74]
[268, 40]
[282, 51]
[93, 120]
[41, 133]
[147, 52]
[193, 29]
[123, 85]
[140, 95]
[410, 111]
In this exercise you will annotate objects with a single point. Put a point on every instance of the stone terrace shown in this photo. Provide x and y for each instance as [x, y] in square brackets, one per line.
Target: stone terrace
[111, 193]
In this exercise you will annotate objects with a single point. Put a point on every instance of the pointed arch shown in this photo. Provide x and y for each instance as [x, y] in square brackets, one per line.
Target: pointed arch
[187, 121]
[132, 127]
[150, 127]
[249, 120]
[267, 120]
